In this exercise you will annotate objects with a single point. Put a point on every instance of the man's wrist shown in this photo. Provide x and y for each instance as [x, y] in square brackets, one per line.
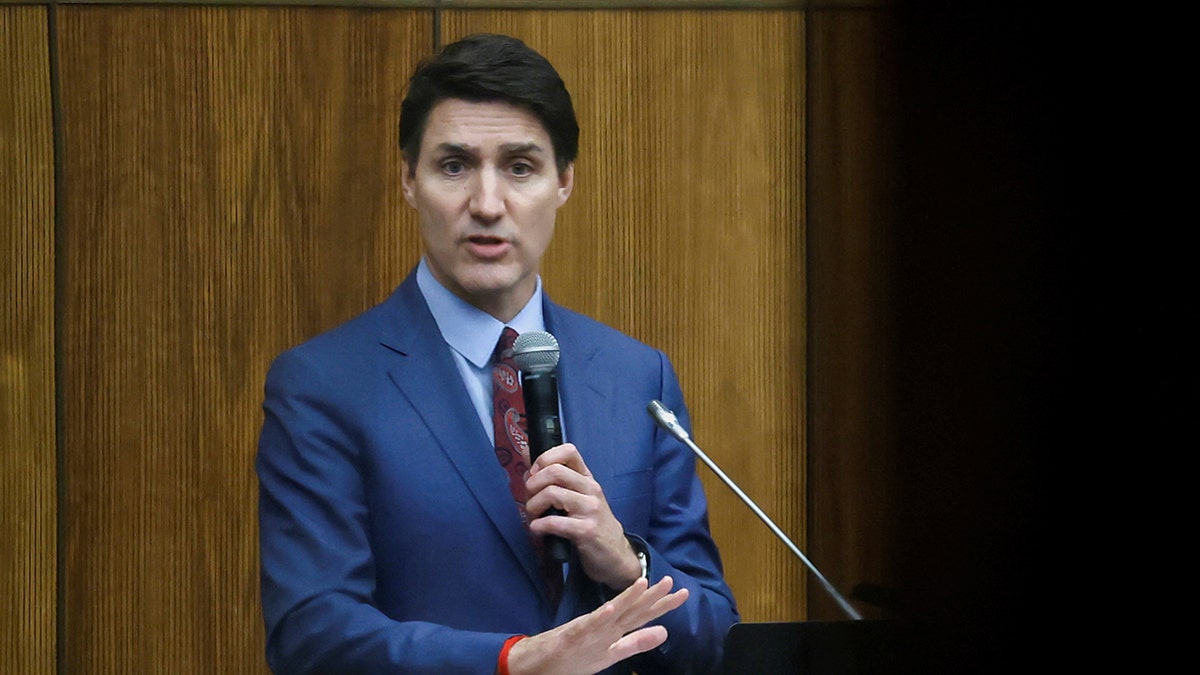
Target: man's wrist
[502, 661]
[642, 571]
[632, 568]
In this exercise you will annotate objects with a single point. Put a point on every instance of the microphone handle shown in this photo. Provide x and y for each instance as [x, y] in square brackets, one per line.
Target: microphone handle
[540, 391]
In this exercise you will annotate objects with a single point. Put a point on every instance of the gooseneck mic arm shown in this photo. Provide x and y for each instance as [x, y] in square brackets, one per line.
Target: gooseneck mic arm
[667, 420]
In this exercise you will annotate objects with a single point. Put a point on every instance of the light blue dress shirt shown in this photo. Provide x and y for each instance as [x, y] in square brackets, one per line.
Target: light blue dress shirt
[472, 335]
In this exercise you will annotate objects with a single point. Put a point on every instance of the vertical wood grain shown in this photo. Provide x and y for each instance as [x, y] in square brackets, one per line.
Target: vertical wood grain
[686, 230]
[851, 205]
[231, 187]
[28, 496]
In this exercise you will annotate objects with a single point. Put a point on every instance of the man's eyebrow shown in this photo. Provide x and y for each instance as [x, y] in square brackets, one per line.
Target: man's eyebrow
[455, 149]
[527, 148]
[522, 148]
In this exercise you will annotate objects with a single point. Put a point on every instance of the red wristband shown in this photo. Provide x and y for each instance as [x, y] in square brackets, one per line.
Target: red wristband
[502, 662]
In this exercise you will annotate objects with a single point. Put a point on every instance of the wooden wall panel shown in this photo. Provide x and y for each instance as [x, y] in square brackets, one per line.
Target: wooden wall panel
[686, 229]
[231, 187]
[229, 183]
[851, 135]
[28, 496]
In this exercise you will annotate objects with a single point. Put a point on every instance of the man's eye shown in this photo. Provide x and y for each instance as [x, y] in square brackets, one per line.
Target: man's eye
[453, 167]
[521, 169]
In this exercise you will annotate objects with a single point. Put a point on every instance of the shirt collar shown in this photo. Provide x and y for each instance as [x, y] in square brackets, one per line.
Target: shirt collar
[469, 330]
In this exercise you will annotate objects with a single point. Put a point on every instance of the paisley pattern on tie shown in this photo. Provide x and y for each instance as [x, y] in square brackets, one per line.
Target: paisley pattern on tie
[508, 409]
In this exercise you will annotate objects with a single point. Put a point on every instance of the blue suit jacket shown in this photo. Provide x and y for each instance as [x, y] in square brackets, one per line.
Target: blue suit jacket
[389, 540]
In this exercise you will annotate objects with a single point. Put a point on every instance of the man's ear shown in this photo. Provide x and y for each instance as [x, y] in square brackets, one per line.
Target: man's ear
[566, 183]
[407, 181]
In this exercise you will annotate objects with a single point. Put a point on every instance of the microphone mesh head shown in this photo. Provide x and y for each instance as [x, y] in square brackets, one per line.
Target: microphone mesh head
[536, 352]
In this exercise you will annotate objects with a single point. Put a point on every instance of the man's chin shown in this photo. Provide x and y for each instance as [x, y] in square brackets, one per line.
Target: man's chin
[493, 291]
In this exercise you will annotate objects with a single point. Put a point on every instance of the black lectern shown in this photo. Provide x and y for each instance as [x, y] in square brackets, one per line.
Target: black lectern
[810, 648]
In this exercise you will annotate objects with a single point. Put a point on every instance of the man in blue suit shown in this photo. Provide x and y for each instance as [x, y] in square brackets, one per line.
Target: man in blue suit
[390, 541]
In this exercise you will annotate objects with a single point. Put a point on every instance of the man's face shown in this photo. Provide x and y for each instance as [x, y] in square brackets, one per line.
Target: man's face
[487, 189]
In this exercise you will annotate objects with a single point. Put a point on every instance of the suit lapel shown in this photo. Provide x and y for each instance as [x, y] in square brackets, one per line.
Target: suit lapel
[584, 387]
[425, 364]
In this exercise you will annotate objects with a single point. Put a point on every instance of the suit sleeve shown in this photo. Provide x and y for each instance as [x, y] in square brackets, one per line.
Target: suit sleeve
[318, 576]
[680, 546]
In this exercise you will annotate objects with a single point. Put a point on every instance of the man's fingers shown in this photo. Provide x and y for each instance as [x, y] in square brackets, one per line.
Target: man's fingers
[641, 640]
[671, 602]
[562, 495]
[645, 613]
[613, 632]
[566, 454]
[560, 474]
[639, 604]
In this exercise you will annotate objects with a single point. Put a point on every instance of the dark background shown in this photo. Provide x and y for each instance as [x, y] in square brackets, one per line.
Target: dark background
[987, 322]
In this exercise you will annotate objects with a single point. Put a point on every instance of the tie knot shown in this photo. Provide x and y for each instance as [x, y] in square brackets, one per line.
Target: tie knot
[507, 338]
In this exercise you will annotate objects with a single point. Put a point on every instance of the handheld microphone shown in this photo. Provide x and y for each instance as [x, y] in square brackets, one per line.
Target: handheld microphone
[667, 420]
[536, 354]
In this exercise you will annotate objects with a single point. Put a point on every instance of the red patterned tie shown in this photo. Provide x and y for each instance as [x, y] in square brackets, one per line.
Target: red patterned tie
[512, 443]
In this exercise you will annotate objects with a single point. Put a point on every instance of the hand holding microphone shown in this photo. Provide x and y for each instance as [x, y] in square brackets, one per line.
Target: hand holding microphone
[562, 478]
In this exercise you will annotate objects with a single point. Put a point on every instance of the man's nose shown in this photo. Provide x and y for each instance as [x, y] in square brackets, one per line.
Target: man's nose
[487, 199]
